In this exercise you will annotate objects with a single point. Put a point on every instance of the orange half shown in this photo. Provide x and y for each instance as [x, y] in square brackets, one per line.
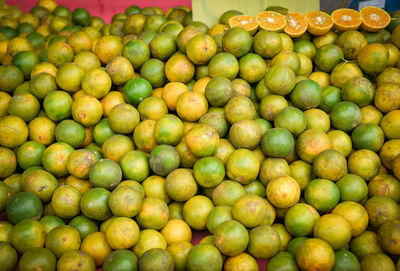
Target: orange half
[247, 22]
[346, 19]
[319, 22]
[374, 19]
[271, 20]
[296, 24]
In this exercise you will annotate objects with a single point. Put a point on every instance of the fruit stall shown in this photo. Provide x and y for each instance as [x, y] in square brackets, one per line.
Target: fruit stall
[135, 137]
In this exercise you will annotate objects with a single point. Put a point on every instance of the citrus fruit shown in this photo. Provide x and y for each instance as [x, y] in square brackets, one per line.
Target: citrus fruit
[65, 201]
[364, 163]
[223, 64]
[163, 159]
[364, 244]
[218, 91]
[8, 256]
[231, 238]
[277, 192]
[94, 204]
[267, 44]
[27, 234]
[319, 22]
[380, 210]
[242, 166]
[315, 253]
[62, 239]
[224, 18]
[374, 18]
[345, 260]
[14, 131]
[328, 56]
[241, 210]
[227, 192]
[96, 246]
[296, 24]
[300, 219]
[247, 22]
[355, 213]
[76, 259]
[327, 227]
[105, 173]
[271, 21]
[264, 242]
[352, 188]
[306, 94]
[345, 116]
[243, 260]
[120, 260]
[22, 206]
[196, 210]
[318, 187]
[310, 143]
[351, 42]
[346, 19]
[201, 48]
[41, 258]
[280, 79]
[281, 259]
[373, 58]
[270, 146]
[330, 164]
[373, 260]
[204, 257]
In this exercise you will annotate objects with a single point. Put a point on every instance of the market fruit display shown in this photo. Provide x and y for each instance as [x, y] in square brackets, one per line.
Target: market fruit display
[275, 135]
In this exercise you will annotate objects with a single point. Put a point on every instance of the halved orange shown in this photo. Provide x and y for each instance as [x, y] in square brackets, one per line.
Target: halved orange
[247, 22]
[319, 22]
[374, 19]
[271, 20]
[296, 24]
[346, 19]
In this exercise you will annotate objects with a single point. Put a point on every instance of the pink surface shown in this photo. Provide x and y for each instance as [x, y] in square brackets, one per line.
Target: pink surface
[103, 8]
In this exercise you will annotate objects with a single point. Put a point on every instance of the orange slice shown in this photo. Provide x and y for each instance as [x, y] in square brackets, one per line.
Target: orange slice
[374, 19]
[271, 20]
[346, 19]
[296, 24]
[247, 22]
[319, 22]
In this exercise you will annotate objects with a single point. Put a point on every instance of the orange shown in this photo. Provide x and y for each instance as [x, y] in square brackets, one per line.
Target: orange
[176, 230]
[319, 22]
[171, 93]
[346, 19]
[271, 20]
[296, 24]
[247, 22]
[374, 19]
[95, 244]
[191, 106]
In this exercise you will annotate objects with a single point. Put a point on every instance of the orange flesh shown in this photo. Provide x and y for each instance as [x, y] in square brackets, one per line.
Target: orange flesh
[296, 24]
[319, 19]
[271, 20]
[244, 21]
[346, 17]
[375, 17]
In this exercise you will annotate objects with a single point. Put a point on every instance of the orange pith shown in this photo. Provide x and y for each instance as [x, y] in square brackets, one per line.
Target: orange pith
[319, 22]
[346, 19]
[271, 20]
[296, 24]
[374, 19]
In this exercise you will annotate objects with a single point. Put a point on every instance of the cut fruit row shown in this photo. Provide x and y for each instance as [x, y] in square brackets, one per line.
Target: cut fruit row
[294, 24]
